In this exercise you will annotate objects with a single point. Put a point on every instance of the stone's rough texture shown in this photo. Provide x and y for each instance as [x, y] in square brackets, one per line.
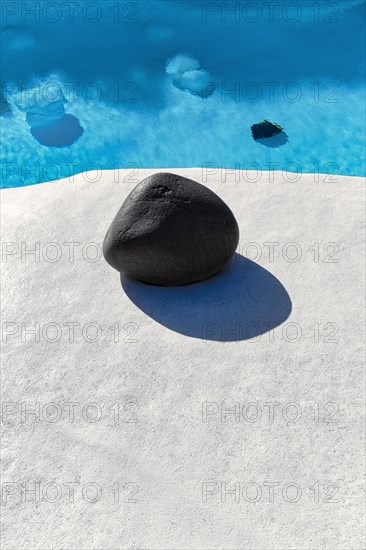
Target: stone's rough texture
[171, 231]
[265, 129]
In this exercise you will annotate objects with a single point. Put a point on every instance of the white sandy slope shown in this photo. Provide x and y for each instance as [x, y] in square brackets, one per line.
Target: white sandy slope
[159, 378]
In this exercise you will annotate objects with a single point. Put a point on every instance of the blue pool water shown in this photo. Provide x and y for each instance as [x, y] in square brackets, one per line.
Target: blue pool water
[163, 83]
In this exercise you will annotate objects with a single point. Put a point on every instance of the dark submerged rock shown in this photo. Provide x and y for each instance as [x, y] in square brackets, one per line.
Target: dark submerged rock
[171, 231]
[265, 129]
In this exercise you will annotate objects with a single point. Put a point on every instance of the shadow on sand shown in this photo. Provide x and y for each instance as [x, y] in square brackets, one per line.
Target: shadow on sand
[241, 302]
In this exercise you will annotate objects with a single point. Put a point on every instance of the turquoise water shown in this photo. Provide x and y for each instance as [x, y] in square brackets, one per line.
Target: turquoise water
[152, 84]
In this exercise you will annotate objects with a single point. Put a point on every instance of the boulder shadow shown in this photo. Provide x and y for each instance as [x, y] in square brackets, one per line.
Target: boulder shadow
[61, 132]
[241, 302]
[274, 141]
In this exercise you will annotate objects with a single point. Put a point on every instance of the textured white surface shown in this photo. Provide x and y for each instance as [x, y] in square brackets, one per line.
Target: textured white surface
[162, 380]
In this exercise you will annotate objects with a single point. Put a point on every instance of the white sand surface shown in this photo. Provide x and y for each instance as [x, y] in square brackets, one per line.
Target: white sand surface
[149, 372]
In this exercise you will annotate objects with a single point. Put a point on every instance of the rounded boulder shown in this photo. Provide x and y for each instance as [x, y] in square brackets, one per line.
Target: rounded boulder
[171, 231]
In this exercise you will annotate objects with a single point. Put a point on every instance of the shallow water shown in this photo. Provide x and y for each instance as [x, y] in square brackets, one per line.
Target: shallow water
[179, 84]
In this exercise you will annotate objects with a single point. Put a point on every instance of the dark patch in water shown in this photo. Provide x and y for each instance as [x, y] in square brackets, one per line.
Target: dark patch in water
[269, 134]
[265, 129]
[274, 141]
[59, 133]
